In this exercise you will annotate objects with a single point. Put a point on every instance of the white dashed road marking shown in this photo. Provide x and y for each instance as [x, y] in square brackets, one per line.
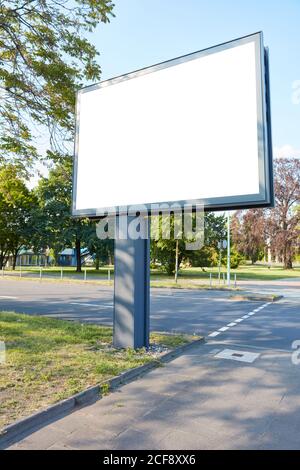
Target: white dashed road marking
[92, 305]
[239, 320]
[224, 328]
[7, 297]
[214, 333]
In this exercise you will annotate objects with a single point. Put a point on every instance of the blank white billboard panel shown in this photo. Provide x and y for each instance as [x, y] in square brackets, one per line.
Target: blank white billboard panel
[190, 129]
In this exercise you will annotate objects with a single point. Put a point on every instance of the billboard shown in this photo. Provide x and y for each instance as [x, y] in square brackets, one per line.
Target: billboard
[195, 129]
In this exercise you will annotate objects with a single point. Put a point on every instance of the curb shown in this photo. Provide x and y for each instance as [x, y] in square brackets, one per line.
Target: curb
[15, 431]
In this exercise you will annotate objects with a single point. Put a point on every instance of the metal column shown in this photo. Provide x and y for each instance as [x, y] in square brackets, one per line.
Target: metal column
[131, 286]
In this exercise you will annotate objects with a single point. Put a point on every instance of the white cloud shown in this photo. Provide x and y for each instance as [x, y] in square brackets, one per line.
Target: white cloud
[286, 151]
[296, 93]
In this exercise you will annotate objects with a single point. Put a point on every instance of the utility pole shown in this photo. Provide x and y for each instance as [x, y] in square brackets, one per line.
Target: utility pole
[176, 261]
[228, 248]
[220, 259]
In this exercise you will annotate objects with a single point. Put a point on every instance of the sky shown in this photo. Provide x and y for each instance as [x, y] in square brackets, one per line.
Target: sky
[145, 32]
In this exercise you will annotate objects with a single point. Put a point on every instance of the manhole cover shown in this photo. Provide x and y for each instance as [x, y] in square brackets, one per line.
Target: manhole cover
[243, 356]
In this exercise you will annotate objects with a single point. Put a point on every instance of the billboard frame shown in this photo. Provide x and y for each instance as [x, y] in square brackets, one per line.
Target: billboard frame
[265, 197]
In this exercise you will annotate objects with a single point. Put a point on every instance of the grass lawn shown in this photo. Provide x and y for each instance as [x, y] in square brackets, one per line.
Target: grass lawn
[257, 271]
[244, 272]
[48, 360]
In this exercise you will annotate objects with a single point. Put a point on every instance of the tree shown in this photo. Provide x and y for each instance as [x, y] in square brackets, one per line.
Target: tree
[248, 233]
[169, 252]
[278, 227]
[17, 205]
[283, 221]
[164, 250]
[102, 249]
[214, 232]
[235, 258]
[44, 59]
[57, 228]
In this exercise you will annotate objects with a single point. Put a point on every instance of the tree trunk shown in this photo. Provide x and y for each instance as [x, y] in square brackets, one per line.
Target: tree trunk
[3, 258]
[14, 261]
[288, 264]
[287, 261]
[56, 257]
[15, 254]
[287, 256]
[176, 261]
[78, 255]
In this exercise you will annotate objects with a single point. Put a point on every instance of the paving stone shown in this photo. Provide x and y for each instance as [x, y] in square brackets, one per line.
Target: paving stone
[136, 403]
[88, 439]
[59, 447]
[41, 439]
[135, 440]
[164, 385]
[113, 423]
[73, 422]
[179, 440]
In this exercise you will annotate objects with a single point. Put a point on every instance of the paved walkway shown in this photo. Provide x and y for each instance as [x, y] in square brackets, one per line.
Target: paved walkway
[197, 401]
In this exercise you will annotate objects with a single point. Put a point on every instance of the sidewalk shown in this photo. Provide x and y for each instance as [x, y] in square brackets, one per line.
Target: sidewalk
[197, 401]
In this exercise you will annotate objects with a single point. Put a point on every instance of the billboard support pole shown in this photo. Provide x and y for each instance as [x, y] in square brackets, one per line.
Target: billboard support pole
[131, 285]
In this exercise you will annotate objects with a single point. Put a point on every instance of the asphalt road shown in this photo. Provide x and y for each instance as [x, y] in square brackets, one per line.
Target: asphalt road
[276, 325]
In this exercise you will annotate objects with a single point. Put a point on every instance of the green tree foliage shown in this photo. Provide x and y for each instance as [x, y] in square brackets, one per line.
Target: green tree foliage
[56, 228]
[163, 251]
[214, 231]
[235, 258]
[17, 213]
[103, 250]
[44, 59]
